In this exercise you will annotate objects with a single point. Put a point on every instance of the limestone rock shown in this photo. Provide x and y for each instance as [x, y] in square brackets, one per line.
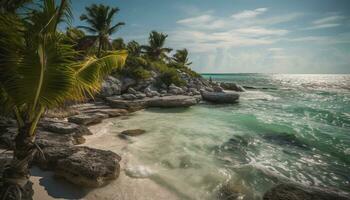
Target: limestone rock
[87, 119]
[133, 132]
[220, 97]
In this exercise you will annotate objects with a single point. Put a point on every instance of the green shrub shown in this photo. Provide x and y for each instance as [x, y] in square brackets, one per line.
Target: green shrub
[169, 76]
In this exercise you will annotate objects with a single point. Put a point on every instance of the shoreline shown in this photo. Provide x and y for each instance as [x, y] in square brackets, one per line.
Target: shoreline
[47, 186]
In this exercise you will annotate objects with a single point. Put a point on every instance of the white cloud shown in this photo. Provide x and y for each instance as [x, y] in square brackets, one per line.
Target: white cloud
[195, 20]
[248, 14]
[327, 20]
[254, 31]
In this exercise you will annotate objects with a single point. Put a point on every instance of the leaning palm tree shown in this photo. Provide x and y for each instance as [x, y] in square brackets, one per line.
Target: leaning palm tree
[99, 18]
[181, 58]
[38, 71]
[156, 50]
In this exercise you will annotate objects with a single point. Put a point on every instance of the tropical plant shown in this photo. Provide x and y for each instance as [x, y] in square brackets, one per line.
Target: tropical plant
[155, 50]
[99, 19]
[38, 71]
[12, 5]
[134, 48]
[118, 44]
[74, 35]
[181, 58]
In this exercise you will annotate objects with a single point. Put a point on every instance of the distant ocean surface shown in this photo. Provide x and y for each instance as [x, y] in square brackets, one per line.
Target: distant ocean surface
[291, 128]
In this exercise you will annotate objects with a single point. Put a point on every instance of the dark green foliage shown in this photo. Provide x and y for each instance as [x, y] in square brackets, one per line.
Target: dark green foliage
[99, 18]
[118, 44]
[155, 50]
[181, 58]
[169, 76]
[134, 48]
[12, 5]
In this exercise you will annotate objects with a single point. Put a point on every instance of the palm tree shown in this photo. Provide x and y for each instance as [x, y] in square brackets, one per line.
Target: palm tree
[99, 18]
[134, 48]
[118, 44]
[38, 71]
[155, 49]
[181, 58]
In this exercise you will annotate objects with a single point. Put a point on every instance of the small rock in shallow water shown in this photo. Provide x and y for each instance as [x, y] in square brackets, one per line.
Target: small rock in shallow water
[133, 132]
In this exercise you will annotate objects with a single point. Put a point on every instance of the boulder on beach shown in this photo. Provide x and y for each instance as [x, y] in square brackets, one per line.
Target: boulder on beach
[296, 192]
[220, 97]
[133, 132]
[89, 167]
[82, 166]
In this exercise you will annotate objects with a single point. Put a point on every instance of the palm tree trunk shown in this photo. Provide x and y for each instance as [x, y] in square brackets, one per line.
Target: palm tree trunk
[99, 46]
[15, 180]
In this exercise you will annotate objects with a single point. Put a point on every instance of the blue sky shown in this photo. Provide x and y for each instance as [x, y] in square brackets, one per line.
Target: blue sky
[237, 36]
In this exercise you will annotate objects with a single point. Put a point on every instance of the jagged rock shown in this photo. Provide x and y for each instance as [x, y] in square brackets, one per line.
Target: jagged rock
[45, 138]
[175, 90]
[296, 192]
[166, 101]
[140, 95]
[232, 86]
[128, 96]
[194, 91]
[87, 119]
[132, 91]
[83, 166]
[133, 132]
[89, 167]
[218, 89]
[111, 86]
[220, 97]
[64, 128]
[111, 112]
[173, 101]
[126, 83]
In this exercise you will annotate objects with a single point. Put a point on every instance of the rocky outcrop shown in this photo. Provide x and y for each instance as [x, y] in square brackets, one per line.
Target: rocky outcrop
[172, 101]
[89, 167]
[83, 166]
[165, 101]
[110, 87]
[133, 132]
[296, 192]
[174, 90]
[220, 97]
[87, 119]
[62, 127]
[45, 138]
[232, 86]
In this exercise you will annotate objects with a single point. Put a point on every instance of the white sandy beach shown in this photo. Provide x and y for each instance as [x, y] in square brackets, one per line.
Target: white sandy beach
[48, 187]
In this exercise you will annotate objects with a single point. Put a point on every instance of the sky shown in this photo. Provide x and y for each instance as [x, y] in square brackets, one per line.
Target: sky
[242, 36]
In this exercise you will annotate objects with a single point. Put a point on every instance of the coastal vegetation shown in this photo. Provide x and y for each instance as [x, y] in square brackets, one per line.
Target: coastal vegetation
[39, 71]
[42, 68]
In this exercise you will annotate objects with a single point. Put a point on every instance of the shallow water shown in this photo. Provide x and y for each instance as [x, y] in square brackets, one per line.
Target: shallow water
[294, 128]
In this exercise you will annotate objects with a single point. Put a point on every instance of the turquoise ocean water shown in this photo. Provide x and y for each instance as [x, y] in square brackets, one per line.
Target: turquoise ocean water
[291, 128]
